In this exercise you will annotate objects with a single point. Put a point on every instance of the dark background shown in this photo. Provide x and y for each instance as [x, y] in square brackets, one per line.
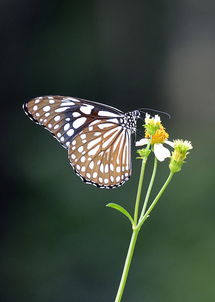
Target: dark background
[58, 241]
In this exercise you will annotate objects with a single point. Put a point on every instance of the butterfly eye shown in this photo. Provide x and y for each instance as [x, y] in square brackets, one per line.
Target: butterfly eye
[97, 136]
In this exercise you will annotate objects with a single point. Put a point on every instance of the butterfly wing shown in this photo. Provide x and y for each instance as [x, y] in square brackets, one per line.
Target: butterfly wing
[100, 154]
[64, 116]
[98, 144]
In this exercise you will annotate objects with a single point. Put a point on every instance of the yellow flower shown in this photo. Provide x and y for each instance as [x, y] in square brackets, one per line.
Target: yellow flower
[157, 136]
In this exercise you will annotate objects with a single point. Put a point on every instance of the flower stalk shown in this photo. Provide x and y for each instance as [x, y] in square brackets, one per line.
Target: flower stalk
[127, 264]
[149, 187]
[140, 184]
[155, 137]
[137, 227]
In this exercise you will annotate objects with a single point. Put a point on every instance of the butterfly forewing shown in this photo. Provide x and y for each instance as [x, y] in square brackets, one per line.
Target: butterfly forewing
[64, 117]
[100, 154]
[97, 136]
[53, 114]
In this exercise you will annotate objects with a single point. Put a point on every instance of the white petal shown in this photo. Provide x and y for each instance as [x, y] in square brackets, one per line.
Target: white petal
[169, 143]
[143, 141]
[147, 118]
[157, 118]
[161, 152]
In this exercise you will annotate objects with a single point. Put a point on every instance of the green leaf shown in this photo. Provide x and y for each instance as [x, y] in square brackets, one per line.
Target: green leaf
[120, 209]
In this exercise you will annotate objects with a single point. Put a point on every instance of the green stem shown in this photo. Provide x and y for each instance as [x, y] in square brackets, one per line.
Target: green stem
[139, 190]
[149, 187]
[127, 265]
[155, 200]
[134, 235]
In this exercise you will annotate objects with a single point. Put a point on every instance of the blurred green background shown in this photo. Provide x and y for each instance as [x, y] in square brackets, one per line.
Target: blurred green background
[58, 241]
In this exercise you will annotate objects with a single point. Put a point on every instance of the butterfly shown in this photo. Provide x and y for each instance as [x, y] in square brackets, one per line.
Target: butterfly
[97, 136]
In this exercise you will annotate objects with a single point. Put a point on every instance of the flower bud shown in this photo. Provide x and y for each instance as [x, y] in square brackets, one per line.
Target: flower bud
[179, 154]
[143, 153]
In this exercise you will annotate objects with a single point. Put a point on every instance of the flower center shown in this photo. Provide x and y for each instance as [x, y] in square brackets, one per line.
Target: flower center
[159, 137]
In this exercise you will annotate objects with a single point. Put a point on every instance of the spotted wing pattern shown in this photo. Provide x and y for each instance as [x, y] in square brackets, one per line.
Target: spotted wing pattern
[64, 117]
[100, 154]
[95, 135]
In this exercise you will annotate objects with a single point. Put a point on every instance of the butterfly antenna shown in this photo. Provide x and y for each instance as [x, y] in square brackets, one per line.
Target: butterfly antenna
[154, 110]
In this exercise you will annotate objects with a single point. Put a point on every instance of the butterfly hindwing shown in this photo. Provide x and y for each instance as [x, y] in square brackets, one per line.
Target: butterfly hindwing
[100, 154]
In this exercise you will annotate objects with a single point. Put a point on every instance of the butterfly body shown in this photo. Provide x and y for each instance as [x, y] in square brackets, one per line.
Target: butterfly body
[97, 136]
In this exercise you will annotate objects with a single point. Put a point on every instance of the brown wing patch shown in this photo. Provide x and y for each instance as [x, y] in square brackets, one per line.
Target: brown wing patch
[100, 154]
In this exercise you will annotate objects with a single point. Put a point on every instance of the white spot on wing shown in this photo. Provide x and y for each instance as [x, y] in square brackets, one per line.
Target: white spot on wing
[91, 165]
[94, 122]
[73, 99]
[83, 136]
[120, 148]
[101, 168]
[46, 108]
[117, 178]
[86, 109]
[105, 125]
[106, 168]
[93, 142]
[80, 149]
[70, 132]
[114, 120]
[107, 113]
[108, 141]
[79, 122]
[117, 141]
[76, 114]
[83, 159]
[95, 174]
[110, 131]
[67, 104]
[94, 150]
[57, 118]
[66, 127]
[97, 133]
[61, 109]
